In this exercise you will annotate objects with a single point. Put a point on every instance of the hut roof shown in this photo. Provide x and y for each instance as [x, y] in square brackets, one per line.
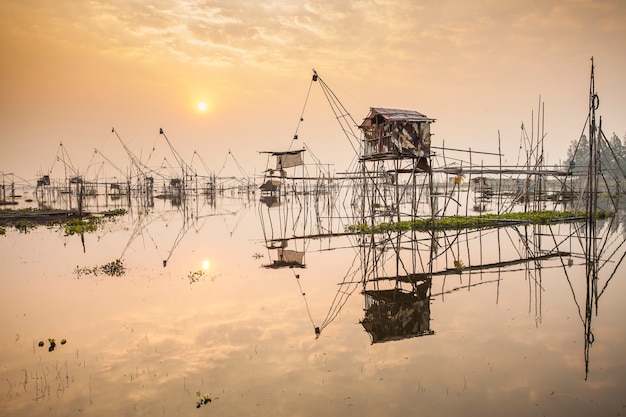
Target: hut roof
[273, 153]
[393, 115]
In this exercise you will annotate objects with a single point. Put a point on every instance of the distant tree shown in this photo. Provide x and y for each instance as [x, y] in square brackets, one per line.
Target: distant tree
[578, 152]
[617, 146]
[612, 153]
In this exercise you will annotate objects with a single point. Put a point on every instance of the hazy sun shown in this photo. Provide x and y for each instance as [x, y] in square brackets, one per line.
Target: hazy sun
[205, 265]
[202, 106]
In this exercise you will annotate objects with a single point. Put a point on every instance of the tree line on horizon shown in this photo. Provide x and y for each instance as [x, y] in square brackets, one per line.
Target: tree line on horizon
[612, 152]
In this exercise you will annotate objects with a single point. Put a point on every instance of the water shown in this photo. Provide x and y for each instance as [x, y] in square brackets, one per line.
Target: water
[507, 339]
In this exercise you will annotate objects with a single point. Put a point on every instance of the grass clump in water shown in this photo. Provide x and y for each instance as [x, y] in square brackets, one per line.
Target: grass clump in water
[91, 223]
[115, 268]
[80, 226]
[24, 226]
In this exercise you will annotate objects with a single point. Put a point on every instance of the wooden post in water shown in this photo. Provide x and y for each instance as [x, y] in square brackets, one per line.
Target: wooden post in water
[499, 176]
[469, 182]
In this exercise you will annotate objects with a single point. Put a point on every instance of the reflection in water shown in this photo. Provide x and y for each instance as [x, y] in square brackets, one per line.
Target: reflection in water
[400, 270]
[397, 314]
[401, 274]
[154, 343]
[603, 253]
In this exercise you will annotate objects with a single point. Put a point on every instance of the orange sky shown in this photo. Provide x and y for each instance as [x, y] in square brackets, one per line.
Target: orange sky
[70, 70]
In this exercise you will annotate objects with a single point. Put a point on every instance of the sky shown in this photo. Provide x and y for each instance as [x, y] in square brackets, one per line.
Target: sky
[71, 70]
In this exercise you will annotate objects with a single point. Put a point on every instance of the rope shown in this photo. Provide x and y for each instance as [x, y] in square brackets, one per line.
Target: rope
[301, 119]
[308, 311]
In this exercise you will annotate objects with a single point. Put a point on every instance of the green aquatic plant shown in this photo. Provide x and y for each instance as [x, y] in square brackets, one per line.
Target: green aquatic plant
[91, 223]
[204, 399]
[195, 276]
[53, 344]
[80, 226]
[474, 222]
[28, 218]
[2, 231]
[24, 226]
[114, 268]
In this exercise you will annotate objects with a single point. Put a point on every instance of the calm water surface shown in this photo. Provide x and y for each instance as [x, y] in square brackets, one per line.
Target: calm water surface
[229, 319]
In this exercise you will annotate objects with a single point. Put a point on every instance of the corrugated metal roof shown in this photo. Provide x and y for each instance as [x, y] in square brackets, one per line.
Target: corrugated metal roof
[393, 115]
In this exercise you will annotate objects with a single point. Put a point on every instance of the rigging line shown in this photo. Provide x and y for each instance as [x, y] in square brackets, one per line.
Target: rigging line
[142, 225]
[316, 160]
[339, 105]
[179, 159]
[96, 151]
[396, 248]
[295, 134]
[570, 284]
[224, 164]
[466, 151]
[335, 105]
[609, 258]
[530, 251]
[606, 284]
[241, 171]
[208, 171]
[133, 159]
[308, 311]
[183, 231]
[520, 238]
[340, 300]
[151, 151]
[90, 162]
[238, 219]
[136, 232]
[54, 161]
[448, 248]
[66, 154]
[606, 142]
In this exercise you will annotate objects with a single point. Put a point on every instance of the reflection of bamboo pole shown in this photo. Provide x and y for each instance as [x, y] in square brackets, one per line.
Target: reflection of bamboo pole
[499, 268]
[469, 182]
[420, 276]
[590, 242]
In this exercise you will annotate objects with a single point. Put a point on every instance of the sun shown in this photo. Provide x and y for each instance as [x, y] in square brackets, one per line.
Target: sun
[202, 106]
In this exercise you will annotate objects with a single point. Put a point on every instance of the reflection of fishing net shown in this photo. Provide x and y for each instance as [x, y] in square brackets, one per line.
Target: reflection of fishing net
[290, 256]
[288, 259]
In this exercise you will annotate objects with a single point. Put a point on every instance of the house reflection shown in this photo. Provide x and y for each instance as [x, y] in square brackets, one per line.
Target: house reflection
[398, 269]
[270, 201]
[285, 258]
[397, 294]
[396, 314]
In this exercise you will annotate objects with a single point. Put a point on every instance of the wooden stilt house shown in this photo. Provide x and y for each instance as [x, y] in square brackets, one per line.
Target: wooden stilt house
[396, 134]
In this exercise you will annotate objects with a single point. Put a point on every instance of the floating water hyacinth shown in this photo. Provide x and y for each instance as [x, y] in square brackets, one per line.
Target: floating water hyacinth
[475, 222]
[52, 343]
[114, 268]
[204, 399]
